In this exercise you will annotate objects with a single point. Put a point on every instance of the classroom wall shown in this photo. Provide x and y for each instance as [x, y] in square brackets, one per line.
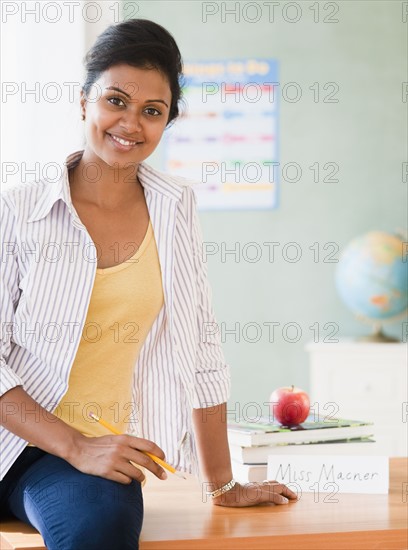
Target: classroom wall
[364, 53]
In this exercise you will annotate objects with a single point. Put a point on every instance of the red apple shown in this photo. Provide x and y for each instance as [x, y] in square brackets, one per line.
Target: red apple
[290, 406]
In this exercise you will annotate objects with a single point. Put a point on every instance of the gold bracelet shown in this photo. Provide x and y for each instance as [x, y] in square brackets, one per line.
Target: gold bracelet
[227, 487]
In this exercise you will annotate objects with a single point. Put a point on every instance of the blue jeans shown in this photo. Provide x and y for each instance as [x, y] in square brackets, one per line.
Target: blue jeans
[72, 510]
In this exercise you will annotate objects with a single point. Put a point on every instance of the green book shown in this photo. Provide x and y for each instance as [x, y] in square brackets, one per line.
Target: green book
[264, 432]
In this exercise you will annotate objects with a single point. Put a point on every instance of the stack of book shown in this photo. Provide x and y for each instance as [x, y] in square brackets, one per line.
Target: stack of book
[251, 443]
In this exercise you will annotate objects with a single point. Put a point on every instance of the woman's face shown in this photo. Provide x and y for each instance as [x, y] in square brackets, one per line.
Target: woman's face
[126, 112]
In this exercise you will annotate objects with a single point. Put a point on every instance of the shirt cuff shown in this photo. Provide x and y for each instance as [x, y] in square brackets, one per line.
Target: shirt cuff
[212, 388]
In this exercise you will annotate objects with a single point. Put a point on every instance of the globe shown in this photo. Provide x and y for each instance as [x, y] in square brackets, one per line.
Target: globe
[372, 280]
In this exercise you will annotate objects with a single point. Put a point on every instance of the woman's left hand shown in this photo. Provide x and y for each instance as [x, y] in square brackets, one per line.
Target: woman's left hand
[252, 494]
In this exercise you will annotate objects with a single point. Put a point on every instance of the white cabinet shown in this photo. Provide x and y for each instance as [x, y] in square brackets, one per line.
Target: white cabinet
[363, 381]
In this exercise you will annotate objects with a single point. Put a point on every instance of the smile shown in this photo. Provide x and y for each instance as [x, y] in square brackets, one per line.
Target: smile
[123, 141]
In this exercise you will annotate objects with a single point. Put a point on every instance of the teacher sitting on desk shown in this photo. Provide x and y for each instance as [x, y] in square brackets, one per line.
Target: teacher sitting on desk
[104, 301]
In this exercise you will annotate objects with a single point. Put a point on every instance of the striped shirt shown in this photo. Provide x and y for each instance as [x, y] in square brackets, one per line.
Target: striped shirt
[48, 265]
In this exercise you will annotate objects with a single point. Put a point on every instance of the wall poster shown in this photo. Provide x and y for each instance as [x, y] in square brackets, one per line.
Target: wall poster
[226, 140]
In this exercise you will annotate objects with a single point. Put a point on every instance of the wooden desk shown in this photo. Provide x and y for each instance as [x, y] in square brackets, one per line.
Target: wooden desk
[177, 519]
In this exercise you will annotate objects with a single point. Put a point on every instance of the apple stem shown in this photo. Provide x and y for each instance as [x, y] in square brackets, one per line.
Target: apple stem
[293, 387]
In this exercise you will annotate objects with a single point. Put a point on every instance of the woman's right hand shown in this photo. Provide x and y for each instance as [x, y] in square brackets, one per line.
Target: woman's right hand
[109, 456]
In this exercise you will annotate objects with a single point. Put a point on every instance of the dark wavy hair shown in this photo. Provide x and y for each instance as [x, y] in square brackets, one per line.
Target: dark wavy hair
[140, 43]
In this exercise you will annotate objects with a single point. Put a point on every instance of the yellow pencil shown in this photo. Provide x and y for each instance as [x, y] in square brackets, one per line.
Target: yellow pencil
[153, 457]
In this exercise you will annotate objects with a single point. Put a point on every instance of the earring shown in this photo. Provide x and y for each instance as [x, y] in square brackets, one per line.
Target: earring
[83, 117]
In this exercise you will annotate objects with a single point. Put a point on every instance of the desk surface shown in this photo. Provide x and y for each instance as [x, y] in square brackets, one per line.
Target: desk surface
[177, 519]
[355, 521]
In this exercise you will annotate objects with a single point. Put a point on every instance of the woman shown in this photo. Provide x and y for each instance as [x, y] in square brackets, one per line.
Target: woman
[108, 310]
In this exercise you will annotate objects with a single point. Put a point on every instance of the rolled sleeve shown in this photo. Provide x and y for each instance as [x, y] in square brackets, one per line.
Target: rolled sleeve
[9, 294]
[212, 374]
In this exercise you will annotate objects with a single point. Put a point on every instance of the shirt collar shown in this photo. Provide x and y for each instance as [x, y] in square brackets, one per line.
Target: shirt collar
[150, 178]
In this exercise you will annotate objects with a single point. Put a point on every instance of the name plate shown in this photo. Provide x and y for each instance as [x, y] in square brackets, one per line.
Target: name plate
[331, 474]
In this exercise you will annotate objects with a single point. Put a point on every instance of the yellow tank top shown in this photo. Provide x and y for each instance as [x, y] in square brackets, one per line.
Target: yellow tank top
[125, 301]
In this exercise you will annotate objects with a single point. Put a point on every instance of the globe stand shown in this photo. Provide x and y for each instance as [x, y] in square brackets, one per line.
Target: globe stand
[378, 337]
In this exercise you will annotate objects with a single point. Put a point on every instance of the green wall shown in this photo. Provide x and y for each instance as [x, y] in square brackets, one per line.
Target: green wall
[365, 133]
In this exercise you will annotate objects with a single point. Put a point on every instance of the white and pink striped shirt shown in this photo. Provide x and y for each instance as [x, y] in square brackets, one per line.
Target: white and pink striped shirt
[48, 267]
